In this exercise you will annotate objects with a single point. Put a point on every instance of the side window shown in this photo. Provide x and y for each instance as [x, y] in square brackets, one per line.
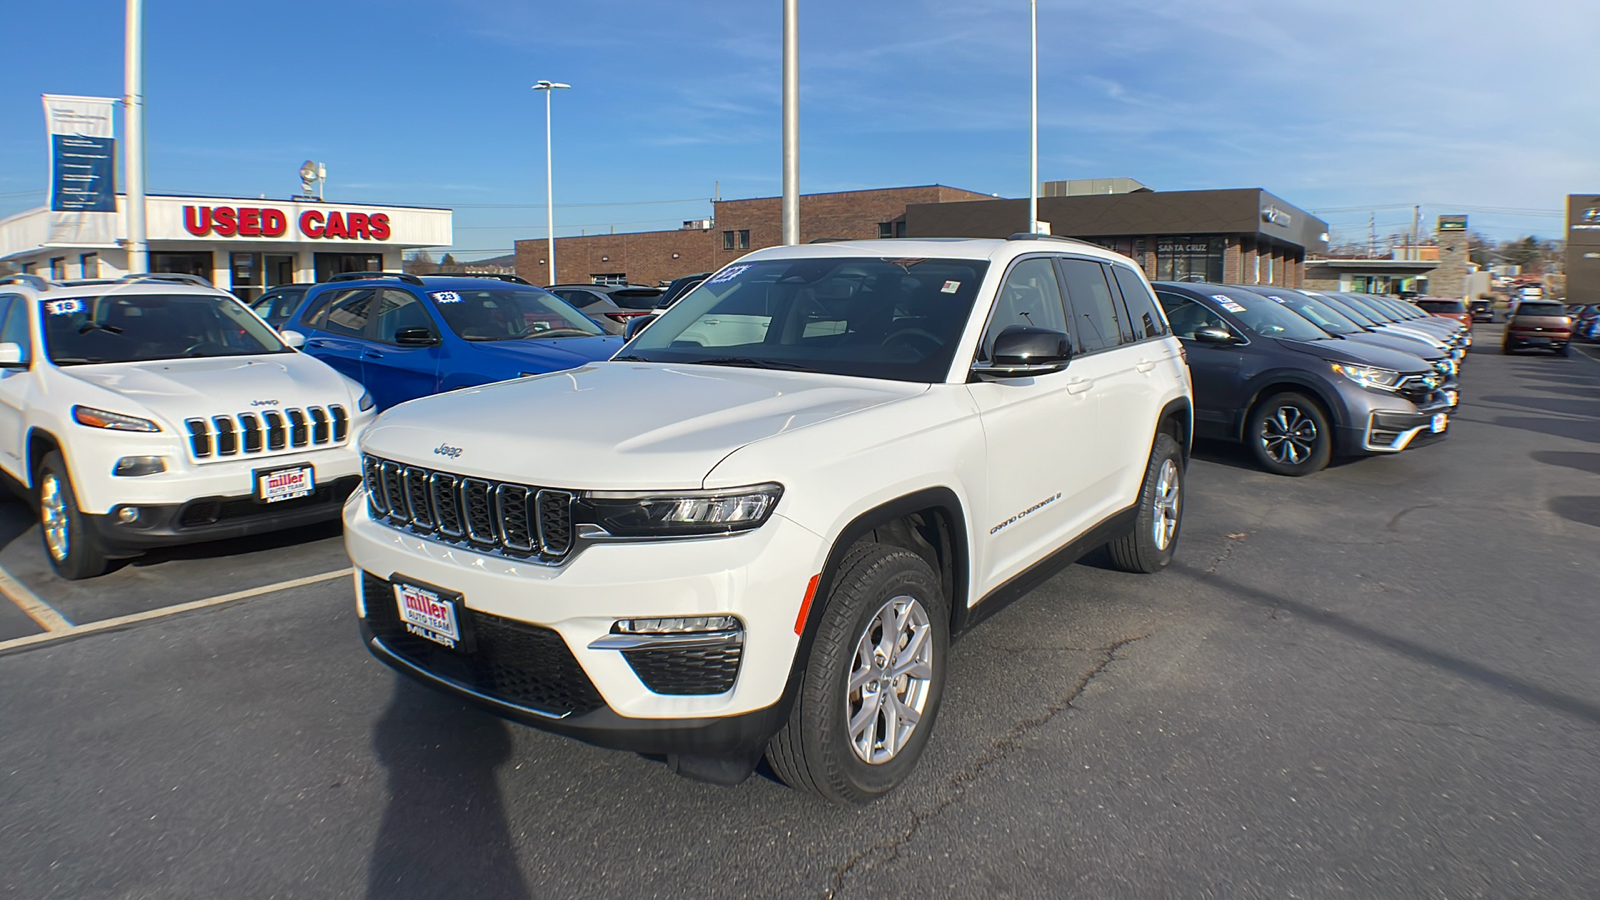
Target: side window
[347, 313]
[397, 310]
[1187, 316]
[1147, 322]
[14, 311]
[1030, 296]
[578, 299]
[1099, 327]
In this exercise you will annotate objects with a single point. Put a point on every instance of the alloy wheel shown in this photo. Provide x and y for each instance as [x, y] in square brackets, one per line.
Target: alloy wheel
[1165, 519]
[891, 676]
[1289, 435]
[53, 516]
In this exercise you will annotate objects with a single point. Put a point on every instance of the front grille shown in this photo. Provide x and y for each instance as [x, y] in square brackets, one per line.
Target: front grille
[686, 670]
[1419, 387]
[511, 661]
[514, 520]
[248, 433]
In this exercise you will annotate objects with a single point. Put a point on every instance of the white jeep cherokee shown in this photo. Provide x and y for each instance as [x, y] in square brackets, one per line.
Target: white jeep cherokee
[756, 528]
[158, 410]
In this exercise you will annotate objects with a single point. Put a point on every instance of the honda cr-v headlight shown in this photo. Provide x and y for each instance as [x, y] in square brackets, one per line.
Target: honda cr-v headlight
[1369, 376]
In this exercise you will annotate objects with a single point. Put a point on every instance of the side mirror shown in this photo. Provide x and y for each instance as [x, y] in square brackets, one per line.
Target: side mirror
[1215, 336]
[293, 338]
[1022, 352]
[415, 337]
[11, 355]
[636, 325]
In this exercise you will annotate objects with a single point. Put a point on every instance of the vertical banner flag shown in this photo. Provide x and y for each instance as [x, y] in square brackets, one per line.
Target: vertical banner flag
[83, 188]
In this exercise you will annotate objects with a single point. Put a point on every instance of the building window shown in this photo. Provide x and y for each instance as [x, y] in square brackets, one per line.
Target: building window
[609, 278]
[744, 239]
[89, 265]
[1182, 258]
[727, 240]
[885, 229]
[58, 268]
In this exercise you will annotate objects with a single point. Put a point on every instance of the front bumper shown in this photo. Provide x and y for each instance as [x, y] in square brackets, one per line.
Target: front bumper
[216, 518]
[533, 658]
[1393, 430]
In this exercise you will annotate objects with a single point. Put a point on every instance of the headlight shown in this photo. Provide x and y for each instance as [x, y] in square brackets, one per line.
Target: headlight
[674, 513]
[1369, 376]
[100, 418]
[366, 402]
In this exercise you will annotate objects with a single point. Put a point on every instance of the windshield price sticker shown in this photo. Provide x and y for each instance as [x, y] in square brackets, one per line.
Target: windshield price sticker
[445, 297]
[63, 307]
[950, 287]
[1228, 303]
[727, 274]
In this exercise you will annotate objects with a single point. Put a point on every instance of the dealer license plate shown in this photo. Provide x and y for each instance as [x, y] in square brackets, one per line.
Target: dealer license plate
[285, 484]
[1452, 396]
[1439, 421]
[428, 614]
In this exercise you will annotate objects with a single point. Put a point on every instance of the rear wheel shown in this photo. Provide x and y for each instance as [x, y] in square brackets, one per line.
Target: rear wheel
[873, 681]
[1289, 435]
[1148, 546]
[1562, 350]
[72, 547]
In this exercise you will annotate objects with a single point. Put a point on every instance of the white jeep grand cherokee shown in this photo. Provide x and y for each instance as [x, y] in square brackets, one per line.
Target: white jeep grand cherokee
[158, 410]
[757, 527]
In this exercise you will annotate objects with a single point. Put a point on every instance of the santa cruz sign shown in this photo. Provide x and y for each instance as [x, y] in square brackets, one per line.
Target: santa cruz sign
[250, 221]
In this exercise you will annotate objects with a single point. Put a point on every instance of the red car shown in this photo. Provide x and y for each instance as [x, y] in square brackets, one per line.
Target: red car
[1538, 323]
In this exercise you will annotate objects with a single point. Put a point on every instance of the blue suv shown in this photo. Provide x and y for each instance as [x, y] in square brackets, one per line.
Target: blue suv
[405, 337]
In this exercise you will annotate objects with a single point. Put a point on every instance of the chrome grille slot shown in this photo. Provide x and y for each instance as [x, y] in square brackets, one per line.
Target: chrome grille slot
[319, 425]
[511, 505]
[512, 520]
[341, 423]
[251, 426]
[477, 509]
[227, 441]
[299, 435]
[416, 485]
[555, 521]
[199, 437]
[277, 436]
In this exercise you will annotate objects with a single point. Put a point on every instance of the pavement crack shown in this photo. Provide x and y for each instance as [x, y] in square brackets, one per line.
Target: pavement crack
[1395, 520]
[1227, 551]
[957, 783]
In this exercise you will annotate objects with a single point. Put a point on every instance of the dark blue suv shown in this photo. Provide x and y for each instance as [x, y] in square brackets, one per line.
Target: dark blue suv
[405, 337]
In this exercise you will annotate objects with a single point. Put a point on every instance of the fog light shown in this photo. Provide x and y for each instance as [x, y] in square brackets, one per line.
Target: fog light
[134, 466]
[680, 625]
[128, 515]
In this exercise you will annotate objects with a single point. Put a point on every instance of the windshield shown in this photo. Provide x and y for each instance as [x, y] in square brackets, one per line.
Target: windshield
[1372, 310]
[509, 314]
[1320, 314]
[879, 318]
[1349, 310]
[138, 327]
[1268, 318]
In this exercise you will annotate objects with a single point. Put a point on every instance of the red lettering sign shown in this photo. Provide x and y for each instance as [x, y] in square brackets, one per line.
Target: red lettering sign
[197, 220]
[355, 225]
[272, 223]
[378, 224]
[311, 223]
[223, 221]
[250, 221]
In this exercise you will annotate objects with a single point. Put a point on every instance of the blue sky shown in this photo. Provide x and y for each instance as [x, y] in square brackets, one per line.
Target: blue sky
[1352, 109]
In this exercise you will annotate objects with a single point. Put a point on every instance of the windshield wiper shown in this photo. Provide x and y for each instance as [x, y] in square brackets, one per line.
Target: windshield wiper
[92, 325]
[752, 363]
[630, 358]
[559, 332]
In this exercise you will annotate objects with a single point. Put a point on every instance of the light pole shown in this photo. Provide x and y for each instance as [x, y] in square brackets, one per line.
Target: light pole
[1033, 121]
[549, 87]
[791, 122]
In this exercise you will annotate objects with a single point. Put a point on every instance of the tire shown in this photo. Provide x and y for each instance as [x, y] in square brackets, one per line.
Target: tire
[72, 548]
[817, 750]
[1148, 546]
[1562, 350]
[1289, 435]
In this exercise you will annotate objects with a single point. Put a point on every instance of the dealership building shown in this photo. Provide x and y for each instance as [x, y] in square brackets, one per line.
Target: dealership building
[244, 245]
[1583, 248]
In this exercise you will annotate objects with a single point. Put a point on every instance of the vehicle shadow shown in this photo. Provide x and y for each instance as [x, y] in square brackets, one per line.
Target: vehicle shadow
[255, 543]
[1583, 510]
[1575, 429]
[1237, 456]
[444, 832]
[1590, 408]
[1583, 462]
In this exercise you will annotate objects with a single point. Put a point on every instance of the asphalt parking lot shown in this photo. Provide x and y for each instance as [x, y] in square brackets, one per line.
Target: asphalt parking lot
[1378, 681]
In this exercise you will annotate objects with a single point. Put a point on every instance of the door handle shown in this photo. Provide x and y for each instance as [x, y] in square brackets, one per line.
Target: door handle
[315, 344]
[371, 355]
[1079, 386]
[1145, 365]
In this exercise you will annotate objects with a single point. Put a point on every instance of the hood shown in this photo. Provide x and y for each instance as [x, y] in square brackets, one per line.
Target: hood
[614, 425]
[1399, 343]
[177, 389]
[1362, 355]
[550, 354]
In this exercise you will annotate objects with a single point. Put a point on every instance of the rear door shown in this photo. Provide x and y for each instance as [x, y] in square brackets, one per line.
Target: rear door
[1214, 368]
[14, 382]
[1107, 367]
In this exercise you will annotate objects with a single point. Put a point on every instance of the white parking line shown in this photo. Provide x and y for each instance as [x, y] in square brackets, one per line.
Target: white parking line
[29, 602]
[71, 630]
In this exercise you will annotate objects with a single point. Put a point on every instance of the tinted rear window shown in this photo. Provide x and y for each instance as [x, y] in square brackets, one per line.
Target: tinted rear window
[1441, 306]
[1541, 309]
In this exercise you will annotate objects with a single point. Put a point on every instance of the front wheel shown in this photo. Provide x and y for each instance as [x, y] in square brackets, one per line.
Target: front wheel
[1289, 435]
[1149, 545]
[74, 551]
[873, 680]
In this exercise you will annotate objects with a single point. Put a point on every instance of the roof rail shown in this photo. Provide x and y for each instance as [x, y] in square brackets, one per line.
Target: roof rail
[497, 276]
[407, 277]
[1027, 236]
[179, 277]
[28, 278]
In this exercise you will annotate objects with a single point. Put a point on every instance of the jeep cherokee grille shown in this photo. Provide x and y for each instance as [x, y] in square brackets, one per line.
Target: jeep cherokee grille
[500, 518]
[269, 431]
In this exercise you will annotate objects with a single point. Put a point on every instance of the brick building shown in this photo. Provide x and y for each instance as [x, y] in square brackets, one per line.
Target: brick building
[739, 226]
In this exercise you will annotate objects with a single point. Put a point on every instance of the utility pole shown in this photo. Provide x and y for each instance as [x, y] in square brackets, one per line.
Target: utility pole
[1416, 223]
[791, 122]
[1372, 234]
[133, 136]
[1033, 118]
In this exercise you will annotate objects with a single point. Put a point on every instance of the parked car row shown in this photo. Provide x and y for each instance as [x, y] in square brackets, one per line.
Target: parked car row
[1586, 321]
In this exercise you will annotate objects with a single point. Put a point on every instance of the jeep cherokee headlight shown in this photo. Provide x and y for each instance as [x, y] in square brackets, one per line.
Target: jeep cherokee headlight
[679, 513]
[100, 418]
[1369, 376]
